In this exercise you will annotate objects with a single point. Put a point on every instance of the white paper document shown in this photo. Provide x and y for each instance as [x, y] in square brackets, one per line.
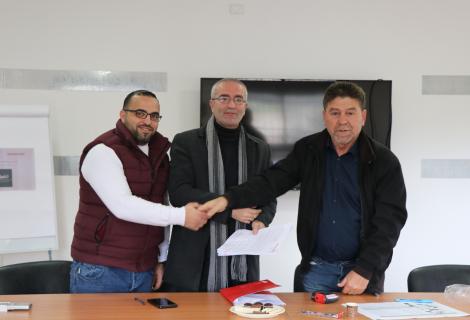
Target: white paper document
[407, 310]
[259, 297]
[7, 306]
[267, 241]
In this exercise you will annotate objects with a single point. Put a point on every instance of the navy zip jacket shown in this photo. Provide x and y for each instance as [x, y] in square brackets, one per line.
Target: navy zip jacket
[382, 192]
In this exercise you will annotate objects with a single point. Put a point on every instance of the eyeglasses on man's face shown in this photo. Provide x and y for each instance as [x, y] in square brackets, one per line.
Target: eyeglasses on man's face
[142, 114]
[227, 99]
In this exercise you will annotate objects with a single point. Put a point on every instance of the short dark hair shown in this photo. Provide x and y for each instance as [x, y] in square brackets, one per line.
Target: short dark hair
[145, 93]
[344, 89]
[218, 83]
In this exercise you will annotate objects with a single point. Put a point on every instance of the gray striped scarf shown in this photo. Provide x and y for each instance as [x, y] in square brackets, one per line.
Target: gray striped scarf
[218, 277]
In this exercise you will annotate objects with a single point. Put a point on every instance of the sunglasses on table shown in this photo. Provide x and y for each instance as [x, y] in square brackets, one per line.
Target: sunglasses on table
[258, 305]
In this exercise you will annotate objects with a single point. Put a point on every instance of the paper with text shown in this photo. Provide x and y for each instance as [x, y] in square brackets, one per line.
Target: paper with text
[408, 310]
[244, 242]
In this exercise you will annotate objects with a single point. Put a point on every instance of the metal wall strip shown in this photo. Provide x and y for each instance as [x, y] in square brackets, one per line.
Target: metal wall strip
[445, 168]
[433, 84]
[82, 80]
[66, 165]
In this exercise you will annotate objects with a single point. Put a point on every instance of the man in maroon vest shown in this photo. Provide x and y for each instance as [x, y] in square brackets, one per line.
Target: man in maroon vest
[118, 232]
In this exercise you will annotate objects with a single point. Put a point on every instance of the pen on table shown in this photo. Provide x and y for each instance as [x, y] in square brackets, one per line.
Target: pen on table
[142, 302]
[338, 315]
[415, 300]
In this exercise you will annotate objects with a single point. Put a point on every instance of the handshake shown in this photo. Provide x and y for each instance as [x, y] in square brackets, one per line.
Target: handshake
[198, 214]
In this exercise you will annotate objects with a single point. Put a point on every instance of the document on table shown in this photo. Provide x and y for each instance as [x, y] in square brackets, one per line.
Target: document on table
[407, 310]
[7, 306]
[267, 241]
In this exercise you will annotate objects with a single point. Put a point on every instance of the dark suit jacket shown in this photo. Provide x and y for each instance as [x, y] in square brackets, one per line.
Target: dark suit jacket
[189, 182]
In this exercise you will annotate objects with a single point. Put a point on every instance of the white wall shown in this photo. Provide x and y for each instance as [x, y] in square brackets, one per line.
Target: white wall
[304, 39]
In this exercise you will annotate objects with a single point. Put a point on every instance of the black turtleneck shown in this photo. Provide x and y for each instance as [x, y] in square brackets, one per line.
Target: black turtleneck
[228, 141]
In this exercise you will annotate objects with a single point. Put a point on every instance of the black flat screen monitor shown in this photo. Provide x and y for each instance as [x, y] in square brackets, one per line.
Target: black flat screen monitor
[282, 111]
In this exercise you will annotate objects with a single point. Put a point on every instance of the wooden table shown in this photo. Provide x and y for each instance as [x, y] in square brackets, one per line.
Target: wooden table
[190, 306]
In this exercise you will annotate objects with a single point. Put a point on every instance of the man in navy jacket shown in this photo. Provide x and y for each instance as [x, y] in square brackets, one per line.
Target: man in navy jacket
[352, 203]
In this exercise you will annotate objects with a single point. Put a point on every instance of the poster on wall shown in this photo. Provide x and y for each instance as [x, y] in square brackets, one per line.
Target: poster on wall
[28, 220]
[17, 169]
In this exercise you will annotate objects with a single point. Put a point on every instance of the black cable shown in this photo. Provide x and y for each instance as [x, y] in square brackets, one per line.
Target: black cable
[371, 111]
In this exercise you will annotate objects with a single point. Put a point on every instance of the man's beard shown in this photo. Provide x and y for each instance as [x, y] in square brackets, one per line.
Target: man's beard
[142, 138]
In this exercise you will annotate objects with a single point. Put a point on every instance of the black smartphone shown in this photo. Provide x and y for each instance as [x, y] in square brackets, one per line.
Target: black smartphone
[162, 303]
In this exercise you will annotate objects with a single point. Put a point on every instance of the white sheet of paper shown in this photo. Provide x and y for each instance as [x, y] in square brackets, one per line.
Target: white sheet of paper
[15, 305]
[407, 310]
[267, 241]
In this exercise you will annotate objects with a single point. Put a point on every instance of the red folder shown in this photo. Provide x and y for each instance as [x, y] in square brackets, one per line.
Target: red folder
[235, 292]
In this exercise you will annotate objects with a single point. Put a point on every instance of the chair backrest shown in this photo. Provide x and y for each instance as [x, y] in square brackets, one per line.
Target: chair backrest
[436, 278]
[35, 277]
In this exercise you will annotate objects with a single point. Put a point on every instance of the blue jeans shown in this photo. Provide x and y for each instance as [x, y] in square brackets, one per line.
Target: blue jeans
[324, 276]
[92, 278]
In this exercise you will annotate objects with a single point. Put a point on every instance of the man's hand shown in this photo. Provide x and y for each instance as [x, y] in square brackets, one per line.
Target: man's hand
[256, 226]
[194, 219]
[245, 215]
[213, 206]
[158, 276]
[353, 283]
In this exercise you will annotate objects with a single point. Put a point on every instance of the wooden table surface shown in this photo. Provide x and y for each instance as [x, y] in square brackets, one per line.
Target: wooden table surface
[190, 305]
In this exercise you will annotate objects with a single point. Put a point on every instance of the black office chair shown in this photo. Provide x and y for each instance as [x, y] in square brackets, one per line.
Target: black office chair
[35, 277]
[436, 278]
[298, 280]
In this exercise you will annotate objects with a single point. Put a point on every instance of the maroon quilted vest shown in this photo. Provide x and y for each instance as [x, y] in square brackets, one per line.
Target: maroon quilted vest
[100, 237]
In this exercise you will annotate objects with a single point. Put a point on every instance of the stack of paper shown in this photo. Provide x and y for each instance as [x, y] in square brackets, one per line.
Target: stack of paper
[7, 306]
[408, 310]
[241, 290]
[267, 241]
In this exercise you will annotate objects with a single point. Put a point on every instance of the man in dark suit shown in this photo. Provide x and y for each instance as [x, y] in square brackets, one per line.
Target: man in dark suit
[204, 162]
